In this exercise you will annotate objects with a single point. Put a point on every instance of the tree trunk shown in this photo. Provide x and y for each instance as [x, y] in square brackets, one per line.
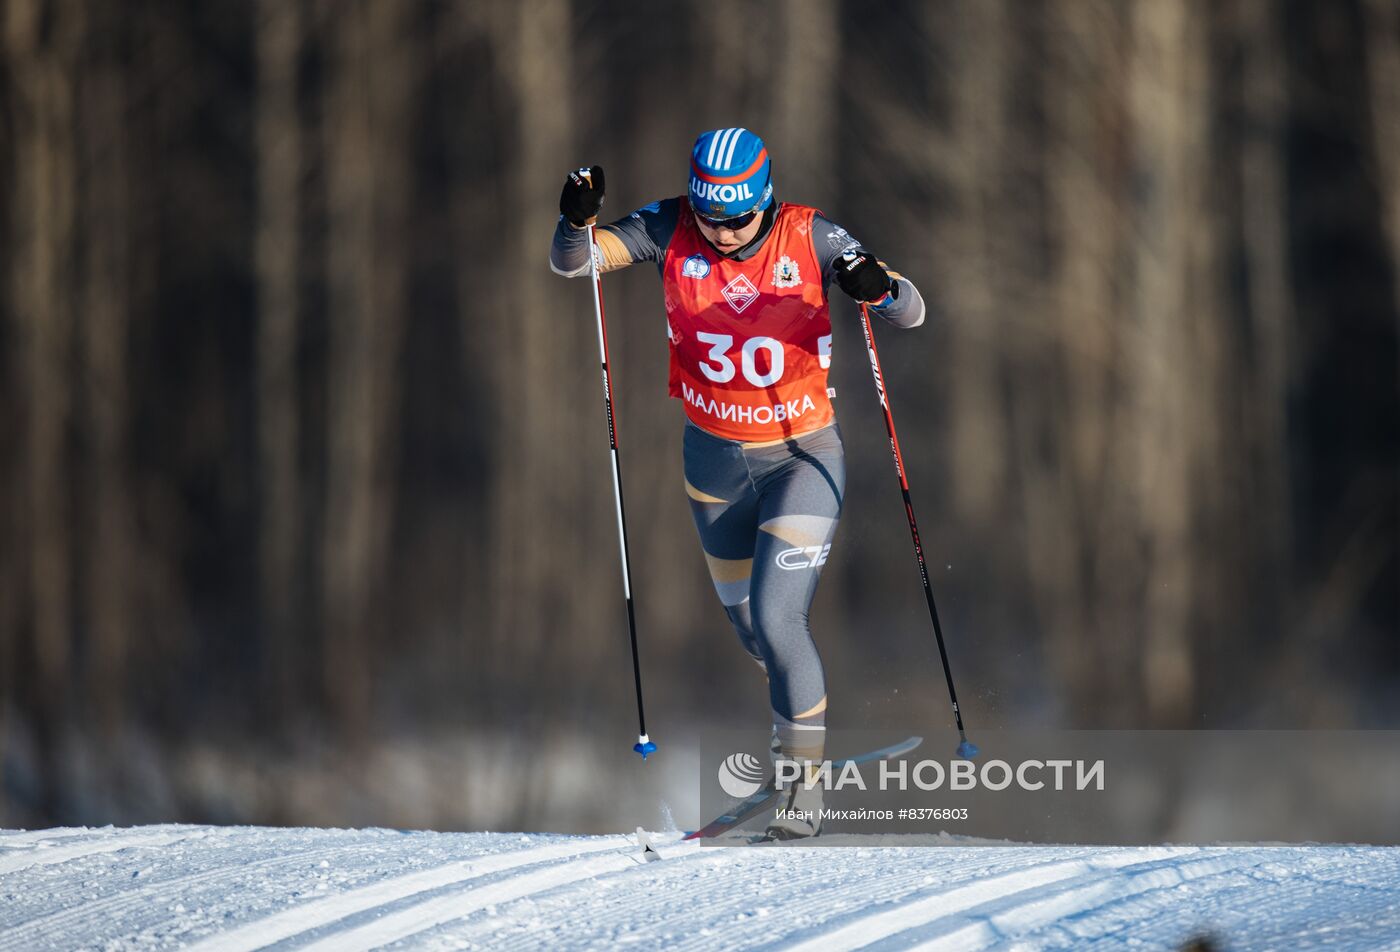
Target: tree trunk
[1383, 59]
[971, 155]
[1079, 523]
[368, 137]
[803, 118]
[111, 549]
[541, 437]
[42, 41]
[278, 264]
[1260, 525]
[1383, 62]
[1175, 344]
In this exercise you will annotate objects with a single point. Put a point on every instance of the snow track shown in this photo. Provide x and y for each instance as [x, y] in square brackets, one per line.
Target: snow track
[413, 918]
[979, 915]
[446, 908]
[165, 893]
[14, 840]
[214, 888]
[44, 854]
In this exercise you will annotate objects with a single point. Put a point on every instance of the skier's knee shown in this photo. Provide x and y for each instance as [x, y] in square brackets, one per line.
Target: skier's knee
[743, 627]
[781, 629]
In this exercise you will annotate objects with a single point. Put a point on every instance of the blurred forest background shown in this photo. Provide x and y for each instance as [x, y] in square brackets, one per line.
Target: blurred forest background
[305, 512]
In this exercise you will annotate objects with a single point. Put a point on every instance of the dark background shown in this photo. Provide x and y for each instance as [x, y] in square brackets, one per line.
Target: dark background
[305, 513]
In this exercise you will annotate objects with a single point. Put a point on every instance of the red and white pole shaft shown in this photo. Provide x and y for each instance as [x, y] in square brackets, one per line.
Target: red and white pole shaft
[966, 748]
[644, 743]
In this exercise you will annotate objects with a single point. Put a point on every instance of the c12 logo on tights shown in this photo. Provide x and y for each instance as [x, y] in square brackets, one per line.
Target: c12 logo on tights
[804, 557]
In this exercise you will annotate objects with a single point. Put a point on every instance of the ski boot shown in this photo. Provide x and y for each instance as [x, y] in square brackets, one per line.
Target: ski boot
[799, 813]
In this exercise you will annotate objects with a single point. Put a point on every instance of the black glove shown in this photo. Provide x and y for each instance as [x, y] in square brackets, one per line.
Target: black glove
[582, 196]
[862, 277]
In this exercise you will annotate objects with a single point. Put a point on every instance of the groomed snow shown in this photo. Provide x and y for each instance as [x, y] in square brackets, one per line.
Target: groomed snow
[246, 888]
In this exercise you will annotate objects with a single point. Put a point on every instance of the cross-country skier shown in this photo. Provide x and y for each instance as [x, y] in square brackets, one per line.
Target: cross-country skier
[745, 279]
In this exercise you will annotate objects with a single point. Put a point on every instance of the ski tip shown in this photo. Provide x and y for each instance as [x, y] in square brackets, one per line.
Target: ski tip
[967, 750]
[644, 746]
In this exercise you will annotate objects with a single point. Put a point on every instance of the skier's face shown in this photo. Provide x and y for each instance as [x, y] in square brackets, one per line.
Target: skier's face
[729, 239]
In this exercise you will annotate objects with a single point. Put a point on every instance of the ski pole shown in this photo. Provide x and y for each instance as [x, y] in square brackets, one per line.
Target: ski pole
[967, 750]
[644, 744]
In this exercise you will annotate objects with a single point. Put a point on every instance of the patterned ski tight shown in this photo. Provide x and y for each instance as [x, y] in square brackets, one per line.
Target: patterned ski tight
[766, 516]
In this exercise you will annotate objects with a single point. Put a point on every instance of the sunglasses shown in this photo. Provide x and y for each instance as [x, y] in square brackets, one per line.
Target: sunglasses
[733, 224]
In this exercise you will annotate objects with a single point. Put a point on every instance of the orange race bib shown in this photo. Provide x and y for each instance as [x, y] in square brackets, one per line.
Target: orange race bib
[750, 340]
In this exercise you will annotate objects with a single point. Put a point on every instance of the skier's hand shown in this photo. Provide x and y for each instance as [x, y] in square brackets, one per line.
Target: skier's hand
[582, 196]
[862, 277]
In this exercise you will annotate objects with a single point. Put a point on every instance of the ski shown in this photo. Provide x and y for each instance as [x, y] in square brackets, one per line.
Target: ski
[743, 811]
[751, 806]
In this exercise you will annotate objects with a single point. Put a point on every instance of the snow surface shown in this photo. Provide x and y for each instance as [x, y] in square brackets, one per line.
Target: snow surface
[247, 887]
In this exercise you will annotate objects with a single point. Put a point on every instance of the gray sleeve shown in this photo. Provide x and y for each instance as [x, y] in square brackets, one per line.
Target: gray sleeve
[568, 254]
[640, 236]
[904, 307]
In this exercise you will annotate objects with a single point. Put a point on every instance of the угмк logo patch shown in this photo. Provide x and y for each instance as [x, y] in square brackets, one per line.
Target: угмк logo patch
[740, 293]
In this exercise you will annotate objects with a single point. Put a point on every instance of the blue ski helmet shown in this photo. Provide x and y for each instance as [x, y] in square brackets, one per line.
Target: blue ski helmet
[730, 174]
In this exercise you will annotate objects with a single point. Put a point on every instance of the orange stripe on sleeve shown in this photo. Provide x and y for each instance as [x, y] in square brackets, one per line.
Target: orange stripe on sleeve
[614, 252]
